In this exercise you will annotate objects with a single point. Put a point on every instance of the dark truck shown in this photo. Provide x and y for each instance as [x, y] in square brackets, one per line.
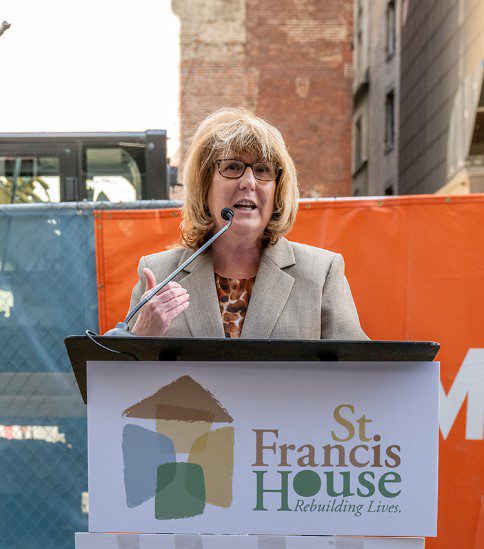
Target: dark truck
[72, 167]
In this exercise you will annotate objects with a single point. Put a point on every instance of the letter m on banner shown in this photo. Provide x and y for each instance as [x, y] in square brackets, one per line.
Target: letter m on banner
[469, 383]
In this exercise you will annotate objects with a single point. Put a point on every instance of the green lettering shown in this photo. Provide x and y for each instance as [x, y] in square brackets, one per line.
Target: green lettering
[346, 484]
[366, 484]
[394, 477]
[283, 491]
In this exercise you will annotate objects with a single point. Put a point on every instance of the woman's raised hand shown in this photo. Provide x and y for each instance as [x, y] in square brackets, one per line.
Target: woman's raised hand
[155, 316]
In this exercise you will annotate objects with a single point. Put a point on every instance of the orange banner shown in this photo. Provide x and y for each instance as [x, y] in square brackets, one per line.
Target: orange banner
[416, 269]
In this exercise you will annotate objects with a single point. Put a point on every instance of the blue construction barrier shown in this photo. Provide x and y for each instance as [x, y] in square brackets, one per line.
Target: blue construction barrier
[47, 291]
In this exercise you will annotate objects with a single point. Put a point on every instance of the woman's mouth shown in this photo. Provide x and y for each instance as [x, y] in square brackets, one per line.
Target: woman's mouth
[245, 206]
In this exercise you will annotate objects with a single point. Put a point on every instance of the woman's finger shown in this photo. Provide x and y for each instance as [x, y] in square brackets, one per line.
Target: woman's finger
[174, 302]
[170, 286]
[177, 310]
[150, 280]
[164, 297]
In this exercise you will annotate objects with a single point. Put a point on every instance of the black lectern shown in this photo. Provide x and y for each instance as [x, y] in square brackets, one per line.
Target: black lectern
[81, 349]
[216, 442]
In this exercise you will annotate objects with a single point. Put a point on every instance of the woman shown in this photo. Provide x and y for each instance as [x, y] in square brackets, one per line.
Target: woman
[252, 282]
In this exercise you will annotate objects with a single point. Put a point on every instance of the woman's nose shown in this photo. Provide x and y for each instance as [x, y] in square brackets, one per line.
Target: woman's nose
[247, 179]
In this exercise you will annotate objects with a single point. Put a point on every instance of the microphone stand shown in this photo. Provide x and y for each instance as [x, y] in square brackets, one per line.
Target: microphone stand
[122, 327]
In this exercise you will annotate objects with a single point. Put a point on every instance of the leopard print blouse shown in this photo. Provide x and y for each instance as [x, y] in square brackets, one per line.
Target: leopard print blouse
[233, 296]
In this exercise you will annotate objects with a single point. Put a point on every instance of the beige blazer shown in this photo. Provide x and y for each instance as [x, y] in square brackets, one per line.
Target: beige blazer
[300, 292]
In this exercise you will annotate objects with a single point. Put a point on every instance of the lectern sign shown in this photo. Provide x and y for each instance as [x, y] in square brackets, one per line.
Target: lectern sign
[263, 448]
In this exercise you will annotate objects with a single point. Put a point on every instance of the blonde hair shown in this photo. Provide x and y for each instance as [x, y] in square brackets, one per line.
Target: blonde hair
[235, 130]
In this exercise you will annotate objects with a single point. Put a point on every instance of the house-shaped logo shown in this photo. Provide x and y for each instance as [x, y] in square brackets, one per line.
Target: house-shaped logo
[184, 464]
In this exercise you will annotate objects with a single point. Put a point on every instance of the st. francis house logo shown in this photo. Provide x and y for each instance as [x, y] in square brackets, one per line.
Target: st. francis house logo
[357, 471]
[185, 463]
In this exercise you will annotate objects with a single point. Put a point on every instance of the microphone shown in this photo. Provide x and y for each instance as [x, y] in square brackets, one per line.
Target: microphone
[122, 327]
[227, 214]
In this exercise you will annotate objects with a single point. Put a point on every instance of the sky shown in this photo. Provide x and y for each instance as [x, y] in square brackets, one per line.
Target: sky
[95, 65]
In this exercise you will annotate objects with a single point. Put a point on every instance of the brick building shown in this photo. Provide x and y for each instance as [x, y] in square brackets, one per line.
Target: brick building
[288, 60]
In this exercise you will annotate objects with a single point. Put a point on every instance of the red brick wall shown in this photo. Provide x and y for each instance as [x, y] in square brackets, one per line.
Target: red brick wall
[290, 61]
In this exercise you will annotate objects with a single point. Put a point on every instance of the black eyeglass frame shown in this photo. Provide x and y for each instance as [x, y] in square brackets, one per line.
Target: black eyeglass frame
[276, 178]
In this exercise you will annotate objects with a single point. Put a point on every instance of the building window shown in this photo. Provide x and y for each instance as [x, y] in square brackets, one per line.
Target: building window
[358, 144]
[390, 121]
[390, 35]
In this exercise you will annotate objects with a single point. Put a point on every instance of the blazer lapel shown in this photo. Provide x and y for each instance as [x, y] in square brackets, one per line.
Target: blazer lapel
[203, 314]
[270, 292]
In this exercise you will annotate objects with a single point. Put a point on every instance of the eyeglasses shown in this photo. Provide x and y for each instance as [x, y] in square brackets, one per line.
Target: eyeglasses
[233, 169]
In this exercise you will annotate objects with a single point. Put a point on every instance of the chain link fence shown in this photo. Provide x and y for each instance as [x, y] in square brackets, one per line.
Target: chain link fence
[47, 291]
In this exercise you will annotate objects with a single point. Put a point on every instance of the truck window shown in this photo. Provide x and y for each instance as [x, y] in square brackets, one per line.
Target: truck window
[29, 178]
[112, 174]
